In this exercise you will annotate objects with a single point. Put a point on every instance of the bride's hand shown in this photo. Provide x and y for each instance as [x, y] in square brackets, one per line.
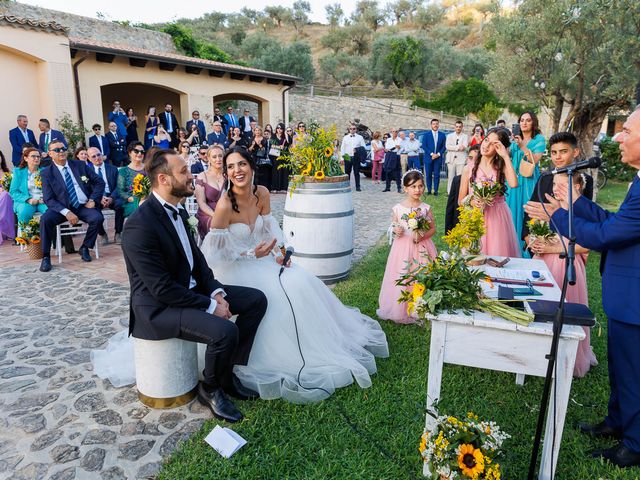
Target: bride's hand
[280, 259]
[263, 249]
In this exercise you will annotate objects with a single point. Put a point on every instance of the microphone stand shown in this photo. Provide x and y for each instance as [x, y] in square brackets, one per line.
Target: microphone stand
[569, 279]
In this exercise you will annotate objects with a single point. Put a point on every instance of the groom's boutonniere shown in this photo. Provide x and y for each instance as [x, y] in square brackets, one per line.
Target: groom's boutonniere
[192, 225]
[84, 179]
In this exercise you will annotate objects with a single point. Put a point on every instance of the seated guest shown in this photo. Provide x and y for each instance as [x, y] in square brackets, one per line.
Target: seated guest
[111, 197]
[209, 188]
[71, 191]
[236, 139]
[26, 186]
[7, 227]
[117, 146]
[127, 174]
[99, 141]
[18, 136]
[184, 136]
[46, 135]
[195, 120]
[184, 152]
[162, 139]
[200, 164]
[217, 136]
[81, 154]
[195, 137]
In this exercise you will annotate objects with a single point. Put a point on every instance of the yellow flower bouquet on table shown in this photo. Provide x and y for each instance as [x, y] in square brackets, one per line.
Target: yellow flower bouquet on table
[312, 156]
[465, 236]
[141, 186]
[463, 448]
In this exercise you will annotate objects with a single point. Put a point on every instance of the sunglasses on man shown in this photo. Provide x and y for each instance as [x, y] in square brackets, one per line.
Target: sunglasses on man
[59, 149]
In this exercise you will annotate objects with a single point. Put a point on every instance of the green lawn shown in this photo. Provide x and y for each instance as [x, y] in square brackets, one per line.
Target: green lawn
[374, 433]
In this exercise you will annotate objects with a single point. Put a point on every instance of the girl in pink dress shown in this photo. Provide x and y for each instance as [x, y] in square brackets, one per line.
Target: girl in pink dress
[550, 253]
[407, 246]
[493, 164]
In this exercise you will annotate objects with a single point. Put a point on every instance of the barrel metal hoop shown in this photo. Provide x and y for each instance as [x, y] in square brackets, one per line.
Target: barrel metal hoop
[348, 213]
[333, 277]
[323, 255]
[321, 192]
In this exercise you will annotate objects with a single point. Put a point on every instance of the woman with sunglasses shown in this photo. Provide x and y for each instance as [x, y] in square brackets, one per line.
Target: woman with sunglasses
[209, 188]
[184, 151]
[280, 143]
[126, 176]
[26, 186]
[236, 139]
[301, 133]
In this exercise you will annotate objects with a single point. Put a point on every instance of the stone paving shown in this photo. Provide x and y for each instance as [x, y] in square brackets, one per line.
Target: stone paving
[58, 420]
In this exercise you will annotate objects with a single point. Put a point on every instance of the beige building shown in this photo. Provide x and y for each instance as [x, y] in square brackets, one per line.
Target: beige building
[82, 66]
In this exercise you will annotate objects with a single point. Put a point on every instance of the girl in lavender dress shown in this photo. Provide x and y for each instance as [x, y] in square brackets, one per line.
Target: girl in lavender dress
[494, 165]
[408, 246]
[6, 206]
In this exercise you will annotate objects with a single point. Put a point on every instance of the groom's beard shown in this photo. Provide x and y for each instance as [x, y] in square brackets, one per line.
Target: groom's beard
[181, 190]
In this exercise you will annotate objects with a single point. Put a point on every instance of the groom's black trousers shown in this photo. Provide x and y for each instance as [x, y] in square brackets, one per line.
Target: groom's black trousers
[228, 343]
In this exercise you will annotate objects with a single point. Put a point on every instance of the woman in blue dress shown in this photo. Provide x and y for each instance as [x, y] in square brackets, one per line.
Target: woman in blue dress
[151, 127]
[527, 147]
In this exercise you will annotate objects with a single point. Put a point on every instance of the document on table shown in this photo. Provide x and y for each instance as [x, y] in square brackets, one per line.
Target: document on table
[225, 441]
[508, 273]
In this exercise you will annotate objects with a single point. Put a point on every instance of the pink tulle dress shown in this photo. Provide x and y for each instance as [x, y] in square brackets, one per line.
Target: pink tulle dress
[500, 237]
[402, 251]
[585, 358]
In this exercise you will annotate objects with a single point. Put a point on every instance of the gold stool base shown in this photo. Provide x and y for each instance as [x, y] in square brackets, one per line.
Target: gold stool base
[170, 402]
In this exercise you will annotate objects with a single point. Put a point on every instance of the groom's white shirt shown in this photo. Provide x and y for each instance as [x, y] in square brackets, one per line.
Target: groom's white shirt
[184, 241]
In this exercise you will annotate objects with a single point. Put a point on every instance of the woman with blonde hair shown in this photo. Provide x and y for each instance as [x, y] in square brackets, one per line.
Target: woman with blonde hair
[209, 188]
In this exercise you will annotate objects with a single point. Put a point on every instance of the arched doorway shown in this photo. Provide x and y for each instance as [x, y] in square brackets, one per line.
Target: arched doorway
[257, 106]
[140, 96]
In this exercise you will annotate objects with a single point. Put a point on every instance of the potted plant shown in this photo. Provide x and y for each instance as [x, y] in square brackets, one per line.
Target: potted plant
[29, 236]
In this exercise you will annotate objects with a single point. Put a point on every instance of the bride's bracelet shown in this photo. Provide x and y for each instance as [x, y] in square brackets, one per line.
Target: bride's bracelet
[250, 254]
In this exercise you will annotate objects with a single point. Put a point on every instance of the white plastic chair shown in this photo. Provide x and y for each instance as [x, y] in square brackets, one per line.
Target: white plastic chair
[66, 229]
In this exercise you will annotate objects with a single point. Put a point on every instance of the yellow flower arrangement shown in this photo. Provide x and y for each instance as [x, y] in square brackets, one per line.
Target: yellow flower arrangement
[466, 235]
[470, 461]
[141, 186]
[29, 232]
[6, 181]
[37, 181]
[319, 175]
[328, 152]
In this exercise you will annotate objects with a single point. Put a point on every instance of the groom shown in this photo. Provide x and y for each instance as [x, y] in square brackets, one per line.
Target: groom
[174, 293]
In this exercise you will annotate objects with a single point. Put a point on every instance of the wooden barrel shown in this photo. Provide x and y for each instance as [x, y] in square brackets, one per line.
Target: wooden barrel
[318, 223]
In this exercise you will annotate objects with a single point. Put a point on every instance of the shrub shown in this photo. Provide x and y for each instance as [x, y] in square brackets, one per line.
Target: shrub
[616, 170]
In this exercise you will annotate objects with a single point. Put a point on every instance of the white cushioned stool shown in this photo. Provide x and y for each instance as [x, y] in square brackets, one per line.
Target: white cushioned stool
[166, 372]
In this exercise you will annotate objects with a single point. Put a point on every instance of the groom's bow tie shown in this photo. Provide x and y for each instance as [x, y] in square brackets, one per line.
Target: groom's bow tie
[173, 210]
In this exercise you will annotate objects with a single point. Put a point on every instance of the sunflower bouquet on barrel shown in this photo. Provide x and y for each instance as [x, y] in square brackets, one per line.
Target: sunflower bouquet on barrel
[463, 448]
[141, 186]
[312, 156]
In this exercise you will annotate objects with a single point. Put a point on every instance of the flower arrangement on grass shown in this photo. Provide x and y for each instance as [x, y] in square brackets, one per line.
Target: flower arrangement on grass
[465, 236]
[312, 156]
[487, 190]
[141, 186]
[29, 232]
[6, 181]
[463, 448]
[540, 230]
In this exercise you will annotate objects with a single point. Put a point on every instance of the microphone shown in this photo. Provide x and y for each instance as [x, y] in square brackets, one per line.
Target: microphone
[287, 257]
[593, 162]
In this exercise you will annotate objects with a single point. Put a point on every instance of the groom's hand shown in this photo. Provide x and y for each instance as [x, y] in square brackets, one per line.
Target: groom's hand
[222, 307]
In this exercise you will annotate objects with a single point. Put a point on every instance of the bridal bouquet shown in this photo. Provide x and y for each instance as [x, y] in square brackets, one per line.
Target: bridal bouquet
[141, 186]
[487, 190]
[540, 230]
[463, 448]
[417, 220]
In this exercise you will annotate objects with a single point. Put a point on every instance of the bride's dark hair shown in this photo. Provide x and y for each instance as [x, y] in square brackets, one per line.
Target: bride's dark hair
[230, 193]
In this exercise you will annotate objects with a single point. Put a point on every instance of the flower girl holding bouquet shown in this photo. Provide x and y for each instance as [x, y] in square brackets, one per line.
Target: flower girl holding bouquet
[411, 230]
[483, 185]
[546, 244]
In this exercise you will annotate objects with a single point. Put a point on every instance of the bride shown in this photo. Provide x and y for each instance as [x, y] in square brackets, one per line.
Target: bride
[308, 343]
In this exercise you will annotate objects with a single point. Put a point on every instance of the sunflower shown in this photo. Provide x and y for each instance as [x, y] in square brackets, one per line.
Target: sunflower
[21, 241]
[35, 239]
[307, 170]
[418, 291]
[328, 152]
[470, 460]
[319, 175]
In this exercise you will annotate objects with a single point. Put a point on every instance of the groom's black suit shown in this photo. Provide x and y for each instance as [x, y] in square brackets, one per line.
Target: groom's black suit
[162, 305]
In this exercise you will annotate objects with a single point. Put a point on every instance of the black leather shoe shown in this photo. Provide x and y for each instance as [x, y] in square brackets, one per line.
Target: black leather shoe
[600, 430]
[221, 407]
[45, 265]
[84, 253]
[358, 189]
[239, 391]
[620, 456]
[386, 190]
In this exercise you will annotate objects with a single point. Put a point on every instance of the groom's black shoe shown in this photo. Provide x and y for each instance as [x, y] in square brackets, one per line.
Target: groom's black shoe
[600, 430]
[619, 455]
[219, 404]
[239, 391]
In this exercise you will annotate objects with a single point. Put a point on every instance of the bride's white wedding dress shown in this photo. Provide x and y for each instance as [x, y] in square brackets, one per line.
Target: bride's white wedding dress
[338, 343]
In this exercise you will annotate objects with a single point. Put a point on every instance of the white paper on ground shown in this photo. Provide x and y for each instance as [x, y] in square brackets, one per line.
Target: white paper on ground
[225, 441]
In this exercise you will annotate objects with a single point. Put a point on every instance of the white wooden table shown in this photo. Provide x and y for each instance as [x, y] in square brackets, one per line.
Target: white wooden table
[478, 340]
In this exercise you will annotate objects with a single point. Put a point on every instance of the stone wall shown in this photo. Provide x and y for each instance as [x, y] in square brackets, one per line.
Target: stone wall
[85, 27]
[378, 114]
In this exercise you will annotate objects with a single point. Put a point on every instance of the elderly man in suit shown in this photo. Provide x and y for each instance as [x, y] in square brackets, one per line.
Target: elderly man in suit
[19, 136]
[217, 136]
[218, 117]
[174, 293]
[435, 144]
[47, 134]
[117, 146]
[195, 120]
[170, 124]
[71, 190]
[617, 236]
[110, 198]
[99, 141]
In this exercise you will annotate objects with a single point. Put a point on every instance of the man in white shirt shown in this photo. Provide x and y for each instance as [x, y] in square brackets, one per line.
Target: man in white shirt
[412, 149]
[174, 293]
[350, 142]
[404, 158]
[391, 165]
[111, 197]
[457, 143]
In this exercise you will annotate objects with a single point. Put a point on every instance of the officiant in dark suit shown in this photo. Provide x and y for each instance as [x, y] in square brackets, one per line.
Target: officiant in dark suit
[617, 236]
[174, 293]
[70, 189]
